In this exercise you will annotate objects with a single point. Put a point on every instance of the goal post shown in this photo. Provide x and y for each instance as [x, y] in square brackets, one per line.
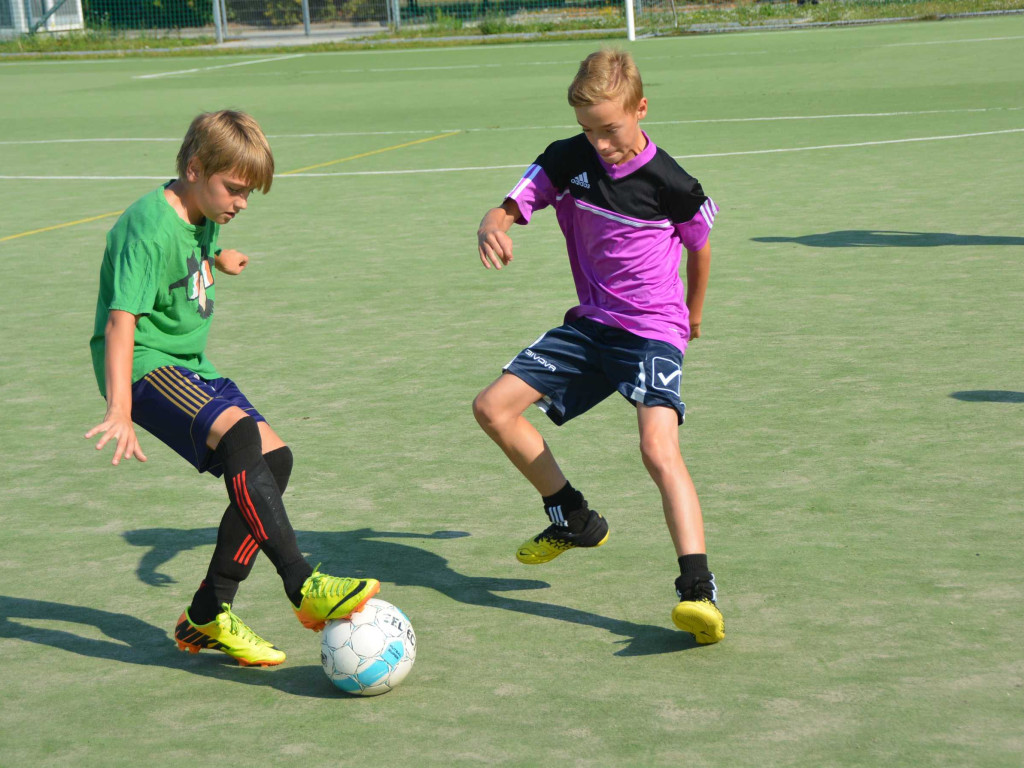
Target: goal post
[652, 17]
[18, 17]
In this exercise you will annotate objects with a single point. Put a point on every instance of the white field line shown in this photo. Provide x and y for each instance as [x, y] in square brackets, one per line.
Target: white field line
[536, 45]
[525, 164]
[217, 66]
[440, 68]
[950, 42]
[685, 157]
[198, 70]
[851, 115]
[376, 52]
[573, 63]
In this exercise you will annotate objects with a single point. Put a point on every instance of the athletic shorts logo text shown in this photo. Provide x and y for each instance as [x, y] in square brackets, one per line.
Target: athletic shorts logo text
[539, 360]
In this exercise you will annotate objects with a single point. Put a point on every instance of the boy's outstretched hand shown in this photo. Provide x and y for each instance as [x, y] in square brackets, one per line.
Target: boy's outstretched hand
[119, 428]
[493, 243]
[230, 262]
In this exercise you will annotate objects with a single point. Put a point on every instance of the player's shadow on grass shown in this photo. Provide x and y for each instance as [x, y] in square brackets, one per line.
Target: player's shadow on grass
[379, 554]
[870, 238]
[989, 396]
[130, 640]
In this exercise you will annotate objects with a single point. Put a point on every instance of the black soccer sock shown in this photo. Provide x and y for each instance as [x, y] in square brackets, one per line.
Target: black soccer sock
[204, 607]
[566, 508]
[236, 550]
[280, 461]
[232, 560]
[693, 569]
[693, 565]
[254, 491]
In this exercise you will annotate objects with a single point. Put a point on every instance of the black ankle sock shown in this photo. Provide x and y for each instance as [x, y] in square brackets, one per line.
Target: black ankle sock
[294, 576]
[205, 607]
[566, 508]
[695, 580]
[693, 565]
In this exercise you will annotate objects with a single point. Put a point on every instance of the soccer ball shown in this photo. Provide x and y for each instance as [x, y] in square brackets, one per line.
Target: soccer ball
[371, 652]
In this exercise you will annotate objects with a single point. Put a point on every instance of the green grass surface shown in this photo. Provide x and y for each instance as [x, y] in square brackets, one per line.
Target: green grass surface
[854, 415]
[92, 40]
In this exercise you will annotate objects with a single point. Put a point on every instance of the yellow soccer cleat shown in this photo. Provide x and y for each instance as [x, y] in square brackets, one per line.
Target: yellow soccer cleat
[229, 634]
[697, 612]
[701, 618]
[556, 539]
[326, 598]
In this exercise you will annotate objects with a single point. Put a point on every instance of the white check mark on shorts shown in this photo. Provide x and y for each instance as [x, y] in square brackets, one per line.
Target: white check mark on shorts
[666, 379]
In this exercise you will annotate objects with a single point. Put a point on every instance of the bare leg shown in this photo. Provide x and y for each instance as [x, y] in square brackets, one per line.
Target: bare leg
[659, 446]
[499, 410]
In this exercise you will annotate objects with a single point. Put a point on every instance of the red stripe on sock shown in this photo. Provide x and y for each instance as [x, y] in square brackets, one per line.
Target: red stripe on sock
[251, 552]
[245, 552]
[248, 508]
[238, 482]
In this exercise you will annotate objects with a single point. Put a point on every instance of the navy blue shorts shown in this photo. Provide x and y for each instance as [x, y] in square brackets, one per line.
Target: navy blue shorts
[576, 366]
[178, 407]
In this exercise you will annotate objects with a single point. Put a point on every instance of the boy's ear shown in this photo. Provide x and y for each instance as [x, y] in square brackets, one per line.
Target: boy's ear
[641, 109]
[193, 171]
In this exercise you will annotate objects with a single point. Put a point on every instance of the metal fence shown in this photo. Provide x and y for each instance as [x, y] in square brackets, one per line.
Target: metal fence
[310, 17]
[251, 19]
[287, 21]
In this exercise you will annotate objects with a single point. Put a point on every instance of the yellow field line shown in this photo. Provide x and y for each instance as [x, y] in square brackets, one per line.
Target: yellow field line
[61, 226]
[286, 173]
[372, 152]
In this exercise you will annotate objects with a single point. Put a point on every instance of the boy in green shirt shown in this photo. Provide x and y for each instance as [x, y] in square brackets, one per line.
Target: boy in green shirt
[153, 316]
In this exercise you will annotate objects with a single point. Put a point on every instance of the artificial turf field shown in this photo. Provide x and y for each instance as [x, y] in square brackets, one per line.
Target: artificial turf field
[855, 412]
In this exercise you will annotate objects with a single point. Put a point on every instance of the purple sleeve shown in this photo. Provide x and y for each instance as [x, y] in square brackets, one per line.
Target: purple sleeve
[533, 192]
[695, 232]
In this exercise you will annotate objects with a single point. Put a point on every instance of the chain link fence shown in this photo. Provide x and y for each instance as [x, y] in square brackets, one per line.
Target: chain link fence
[284, 22]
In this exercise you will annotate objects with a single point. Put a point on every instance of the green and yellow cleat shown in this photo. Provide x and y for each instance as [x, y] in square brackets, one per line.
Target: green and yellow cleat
[556, 539]
[326, 598]
[229, 634]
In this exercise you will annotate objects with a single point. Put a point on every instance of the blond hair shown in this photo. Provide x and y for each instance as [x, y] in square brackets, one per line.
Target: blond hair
[607, 75]
[228, 141]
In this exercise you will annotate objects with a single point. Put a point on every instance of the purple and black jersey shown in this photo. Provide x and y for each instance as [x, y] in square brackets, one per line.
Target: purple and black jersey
[625, 229]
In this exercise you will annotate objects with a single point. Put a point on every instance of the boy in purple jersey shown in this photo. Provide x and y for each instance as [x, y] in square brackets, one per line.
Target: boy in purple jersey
[627, 211]
[153, 316]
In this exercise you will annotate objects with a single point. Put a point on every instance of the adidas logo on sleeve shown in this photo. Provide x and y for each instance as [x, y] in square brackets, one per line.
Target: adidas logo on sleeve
[581, 180]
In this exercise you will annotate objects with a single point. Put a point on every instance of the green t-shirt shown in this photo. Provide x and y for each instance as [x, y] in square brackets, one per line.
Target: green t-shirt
[160, 267]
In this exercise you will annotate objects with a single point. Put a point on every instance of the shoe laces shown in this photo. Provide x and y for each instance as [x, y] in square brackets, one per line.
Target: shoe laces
[701, 591]
[322, 585]
[704, 591]
[240, 629]
[557, 536]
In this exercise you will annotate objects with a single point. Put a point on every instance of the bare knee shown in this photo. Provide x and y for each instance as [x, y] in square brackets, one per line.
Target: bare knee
[486, 411]
[501, 404]
[223, 424]
[661, 457]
